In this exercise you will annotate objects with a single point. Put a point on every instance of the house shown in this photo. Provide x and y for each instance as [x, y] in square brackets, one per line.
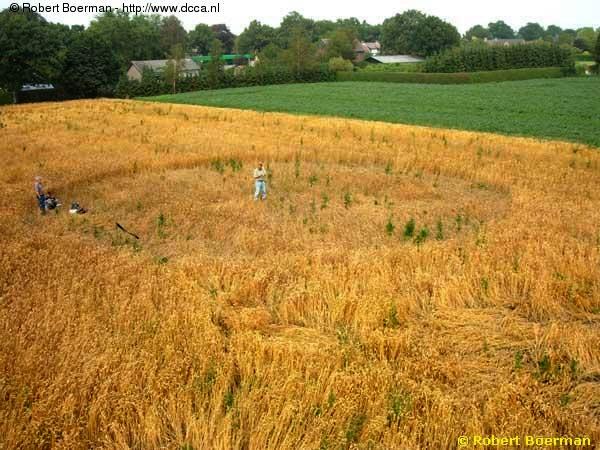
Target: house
[394, 59]
[374, 48]
[503, 42]
[189, 69]
[363, 50]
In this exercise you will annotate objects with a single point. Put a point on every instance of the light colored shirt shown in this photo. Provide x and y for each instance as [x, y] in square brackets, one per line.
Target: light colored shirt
[260, 174]
[39, 189]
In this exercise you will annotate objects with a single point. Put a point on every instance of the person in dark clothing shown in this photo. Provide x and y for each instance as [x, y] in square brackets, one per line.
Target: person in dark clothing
[51, 201]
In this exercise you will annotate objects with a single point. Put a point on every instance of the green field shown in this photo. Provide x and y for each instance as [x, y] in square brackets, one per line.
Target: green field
[566, 108]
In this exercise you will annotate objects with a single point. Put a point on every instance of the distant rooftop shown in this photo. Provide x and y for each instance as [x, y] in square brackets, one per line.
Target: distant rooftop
[160, 64]
[395, 59]
[367, 47]
[36, 87]
[504, 42]
[208, 58]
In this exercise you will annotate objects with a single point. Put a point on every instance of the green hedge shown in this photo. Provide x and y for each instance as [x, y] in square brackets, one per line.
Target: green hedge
[395, 67]
[154, 85]
[482, 57]
[34, 96]
[453, 78]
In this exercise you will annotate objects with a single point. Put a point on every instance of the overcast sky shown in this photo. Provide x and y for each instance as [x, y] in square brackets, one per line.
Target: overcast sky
[462, 13]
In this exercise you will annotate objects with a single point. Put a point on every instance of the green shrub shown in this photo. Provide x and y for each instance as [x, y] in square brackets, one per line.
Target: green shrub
[584, 56]
[390, 227]
[339, 64]
[439, 230]
[409, 228]
[422, 236]
[581, 69]
[347, 199]
[454, 78]
[218, 165]
[400, 404]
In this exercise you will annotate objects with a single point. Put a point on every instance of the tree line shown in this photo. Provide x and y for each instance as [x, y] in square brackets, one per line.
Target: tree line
[89, 61]
[583, 39]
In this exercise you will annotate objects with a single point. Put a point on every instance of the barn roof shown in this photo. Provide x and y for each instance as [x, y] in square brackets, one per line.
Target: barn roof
[394, 59]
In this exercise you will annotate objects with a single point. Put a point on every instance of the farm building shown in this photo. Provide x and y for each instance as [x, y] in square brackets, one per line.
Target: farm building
[190, 68]
[363, 50]
[393, 59]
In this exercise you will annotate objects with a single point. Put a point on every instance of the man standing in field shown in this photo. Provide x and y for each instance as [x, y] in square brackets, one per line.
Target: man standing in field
[260, 184]
[39, 193]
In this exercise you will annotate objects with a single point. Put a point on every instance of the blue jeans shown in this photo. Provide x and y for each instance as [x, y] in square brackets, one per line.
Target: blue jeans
[42, 203]
[260, 189]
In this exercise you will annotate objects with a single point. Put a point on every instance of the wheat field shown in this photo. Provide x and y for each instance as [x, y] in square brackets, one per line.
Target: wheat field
[400, 287]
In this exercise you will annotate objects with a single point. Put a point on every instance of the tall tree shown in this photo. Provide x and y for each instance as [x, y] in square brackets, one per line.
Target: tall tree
[293, 23]
[586, 39]
[31, 51]
[323, 28]
[597, 53]
[567, 37]
[477, 32]
[532, 31]
[130, 38]
[215, 66]
[300, 54]
[436, 36]
[145, 37]
[341, 44]
[369, 33]
[65, 34]
[172, 34]
[174, 66]
[415, 33]
[581, 44]
[200, 39]
[362, 30]
[500, 30]
[552, 33]
[270, 56]
[396, 31]
[255, 37]
[226, 37]
[89, 69]
[350, 25]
